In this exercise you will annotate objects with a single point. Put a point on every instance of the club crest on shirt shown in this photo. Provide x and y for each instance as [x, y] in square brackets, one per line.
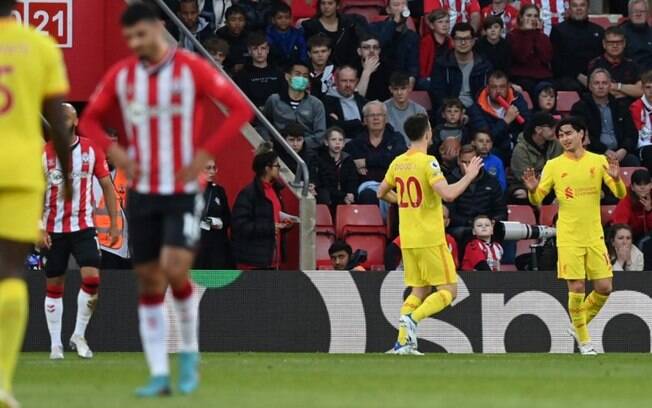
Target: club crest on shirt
[55, 177]
[569, 193]
[592, 172]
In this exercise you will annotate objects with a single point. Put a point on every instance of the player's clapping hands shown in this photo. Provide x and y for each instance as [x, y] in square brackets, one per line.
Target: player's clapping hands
[530, 179]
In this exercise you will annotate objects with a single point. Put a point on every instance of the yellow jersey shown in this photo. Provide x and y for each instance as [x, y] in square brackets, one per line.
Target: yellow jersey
[577, 184]
[31, 69]
[421, 217]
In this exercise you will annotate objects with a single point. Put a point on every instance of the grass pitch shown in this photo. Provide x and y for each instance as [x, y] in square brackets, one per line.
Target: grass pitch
[371, 380]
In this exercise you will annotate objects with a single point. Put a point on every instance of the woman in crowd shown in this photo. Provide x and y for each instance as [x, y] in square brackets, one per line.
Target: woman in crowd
[635, 209]
[344, 30]
[531, 50]
[214, 248]
[623, 253]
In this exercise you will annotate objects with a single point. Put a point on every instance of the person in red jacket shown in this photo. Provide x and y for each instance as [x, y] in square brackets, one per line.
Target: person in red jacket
[531, 50]
[635, 209]
[482, 253]
[435, 42]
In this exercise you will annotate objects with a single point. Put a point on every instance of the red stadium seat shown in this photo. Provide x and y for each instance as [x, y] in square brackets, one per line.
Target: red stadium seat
[369, 13]
[373, 244]
[606, 212]
[422, 98]
[361, 219]
[547, 214]
[528, 99]
[525, 215]
[508, 268]
[626, 174]
[325, 234]
[380, 4]
[602, 21]
[566, 100]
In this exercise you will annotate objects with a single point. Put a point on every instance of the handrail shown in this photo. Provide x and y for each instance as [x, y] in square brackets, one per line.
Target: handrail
[302, 176]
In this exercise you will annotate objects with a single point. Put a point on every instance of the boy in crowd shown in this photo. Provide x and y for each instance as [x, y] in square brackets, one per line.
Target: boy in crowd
[235, 34]
[481, 253]
[337, 178]
[493, 45]
[200, 27]
[640, 111]
[218, 48]
[454, 125]
[294, 135]
[343, 258]
[322, 72]
[492, 163]
[258, 79]
[399, 106]
[435, 42]
[287, 43]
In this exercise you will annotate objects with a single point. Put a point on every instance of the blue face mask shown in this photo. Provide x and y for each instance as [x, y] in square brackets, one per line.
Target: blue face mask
[298, 83]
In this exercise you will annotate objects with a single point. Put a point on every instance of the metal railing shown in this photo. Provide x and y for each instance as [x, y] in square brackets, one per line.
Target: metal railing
[301, 176]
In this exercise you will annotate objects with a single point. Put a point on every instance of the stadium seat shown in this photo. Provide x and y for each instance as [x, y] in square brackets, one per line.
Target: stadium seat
[602, 21]
[606, 211]
[528, 99]
[375, 247]
[422, 98]
[525, 215]
[380, 4]
[369, 13]
[508, 268]
[361, 219]
[566, 100]
[547, 214]
[325, 234]
[626, 174]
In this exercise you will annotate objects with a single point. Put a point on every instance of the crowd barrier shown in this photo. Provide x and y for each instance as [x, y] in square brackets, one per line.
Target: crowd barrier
[357, 312]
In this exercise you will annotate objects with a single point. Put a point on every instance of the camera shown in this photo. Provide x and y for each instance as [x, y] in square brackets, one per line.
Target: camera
[514, 231]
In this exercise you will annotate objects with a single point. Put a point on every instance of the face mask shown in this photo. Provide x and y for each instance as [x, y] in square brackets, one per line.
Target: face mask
[298, 83]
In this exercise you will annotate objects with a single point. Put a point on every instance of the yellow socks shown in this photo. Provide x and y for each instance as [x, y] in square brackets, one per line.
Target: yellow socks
[592, 305]
[578, 316]
[13, 319]
[409, 306]
[434, 303]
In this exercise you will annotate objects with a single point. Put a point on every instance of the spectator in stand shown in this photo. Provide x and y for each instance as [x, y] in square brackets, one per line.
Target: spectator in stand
[373, 151]
[552, 12]
[459, 11]
[218, 48]
[322, 72]
[400, 45]
[287, 43]
[531, 50]
[462, 73]
[258, 79]
[434, 44]
[482, 253]
[638, 34]
[544, 99]
[575, 42]
[235, 34]
[294, 136]
[483, 196]
[448, 152]
[502, 123]
[535, 146]
[454, 124]
[336, 176]
[504, 11]
[492, 163]
[200, 27]
[375, 70]
[214, 11]
[400, 107]
[344, 30]
[623, 253]
[296, 105]
[343, 104]
[343, 258]
[493, 46]
[625, 73]
[611, 130]
[258, 13]
[635, 209]
[640, 111]
[214, 247]
[258, 222]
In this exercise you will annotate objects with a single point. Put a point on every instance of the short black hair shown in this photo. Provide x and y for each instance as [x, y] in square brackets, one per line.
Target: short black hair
[491, 20]
[462, 27]
[368, 36]
[340, 245]
[575, 122]
[233, 10]
[416, 126]
[195, 2]
[641, 176]
[281, 7]
[482, 132]
[347, 66]
[137, 12]
[399, 78]
[294, 64]
[614, 30]
[498, 74]
[294, 129]
[256, 39]
[265, 157]
[452, 103]
[216, 44]
[319, 40]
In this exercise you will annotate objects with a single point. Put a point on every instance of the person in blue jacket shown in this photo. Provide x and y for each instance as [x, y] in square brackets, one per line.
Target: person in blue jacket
[287, 43]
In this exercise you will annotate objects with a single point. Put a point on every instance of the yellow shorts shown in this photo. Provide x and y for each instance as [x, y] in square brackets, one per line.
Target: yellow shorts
[432, 266]
[584, 263]
[20, 213]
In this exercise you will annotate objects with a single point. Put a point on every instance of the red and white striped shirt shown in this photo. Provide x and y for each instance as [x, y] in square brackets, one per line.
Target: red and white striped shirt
[551, 12]
[459, 11]
[76, 214]
[162, 108]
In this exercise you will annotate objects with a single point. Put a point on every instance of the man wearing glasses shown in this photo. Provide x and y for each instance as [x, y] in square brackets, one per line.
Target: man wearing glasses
[461, 73]
[638, 34]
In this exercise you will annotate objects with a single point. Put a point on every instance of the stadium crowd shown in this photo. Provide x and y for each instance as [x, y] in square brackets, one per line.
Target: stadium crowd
[494, 78]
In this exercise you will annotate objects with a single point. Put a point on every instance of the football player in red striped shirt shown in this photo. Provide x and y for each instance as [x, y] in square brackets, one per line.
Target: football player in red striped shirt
[161, 93]
[69, 230]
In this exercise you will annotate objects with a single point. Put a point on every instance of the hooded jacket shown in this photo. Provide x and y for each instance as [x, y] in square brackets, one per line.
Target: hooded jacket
[528, 154]
[446, 80]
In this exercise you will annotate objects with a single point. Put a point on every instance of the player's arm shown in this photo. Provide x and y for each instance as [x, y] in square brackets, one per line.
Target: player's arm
[387, 193]
[449, 192]
[537, 189]
[611, 177]
[111, 205]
